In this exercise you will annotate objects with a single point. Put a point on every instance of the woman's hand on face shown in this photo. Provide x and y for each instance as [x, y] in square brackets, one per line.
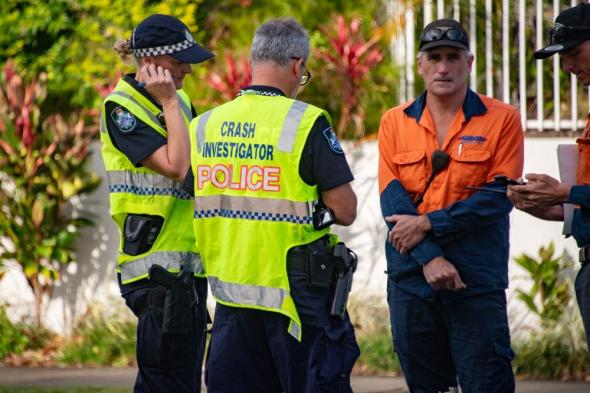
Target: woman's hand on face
[158, 82]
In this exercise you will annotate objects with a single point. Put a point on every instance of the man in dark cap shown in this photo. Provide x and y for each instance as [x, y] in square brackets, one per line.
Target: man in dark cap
[447, 246]
[145, 148]
[543, 196]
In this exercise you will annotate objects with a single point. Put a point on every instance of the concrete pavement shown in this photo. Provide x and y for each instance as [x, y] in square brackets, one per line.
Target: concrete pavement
[124, 377]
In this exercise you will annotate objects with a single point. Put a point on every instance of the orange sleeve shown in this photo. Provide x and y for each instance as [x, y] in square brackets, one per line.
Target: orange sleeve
[387, 169]
[508, 159]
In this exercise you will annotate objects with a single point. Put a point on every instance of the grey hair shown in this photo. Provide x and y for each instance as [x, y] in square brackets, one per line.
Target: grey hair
[278, 41]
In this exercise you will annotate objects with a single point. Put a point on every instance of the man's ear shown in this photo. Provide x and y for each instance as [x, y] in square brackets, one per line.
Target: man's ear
[297, 66]
[470, 58]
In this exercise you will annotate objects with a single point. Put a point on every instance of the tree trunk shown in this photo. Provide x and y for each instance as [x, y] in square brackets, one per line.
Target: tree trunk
[38, 292]
[344, 120]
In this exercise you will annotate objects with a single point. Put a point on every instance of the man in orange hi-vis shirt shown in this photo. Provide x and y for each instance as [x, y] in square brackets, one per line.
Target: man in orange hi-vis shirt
[447, 246]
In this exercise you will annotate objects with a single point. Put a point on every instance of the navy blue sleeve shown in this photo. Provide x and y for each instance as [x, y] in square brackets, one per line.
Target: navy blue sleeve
[479, 210]
[132, 137]
[323, 162]
[395, 200]
[580, 195]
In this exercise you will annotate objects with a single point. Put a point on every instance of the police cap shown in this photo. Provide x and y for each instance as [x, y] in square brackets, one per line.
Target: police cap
[166, 35]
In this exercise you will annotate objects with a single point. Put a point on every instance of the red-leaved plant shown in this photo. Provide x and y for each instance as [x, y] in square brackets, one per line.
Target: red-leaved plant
[350, 56]
[234, 77]
[43, 166]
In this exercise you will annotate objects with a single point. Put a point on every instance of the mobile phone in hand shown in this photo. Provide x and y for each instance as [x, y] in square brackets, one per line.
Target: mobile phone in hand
[506, 181]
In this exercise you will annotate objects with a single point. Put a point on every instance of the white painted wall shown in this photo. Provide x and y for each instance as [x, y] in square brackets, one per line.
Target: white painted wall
[92, 278]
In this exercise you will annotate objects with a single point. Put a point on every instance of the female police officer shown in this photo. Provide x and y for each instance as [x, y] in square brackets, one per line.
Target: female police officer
[145, 148]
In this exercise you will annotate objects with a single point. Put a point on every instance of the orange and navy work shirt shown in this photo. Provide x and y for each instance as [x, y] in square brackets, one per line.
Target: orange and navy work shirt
[484, 139]
[583, 174]
[580, 193]
[469, 227]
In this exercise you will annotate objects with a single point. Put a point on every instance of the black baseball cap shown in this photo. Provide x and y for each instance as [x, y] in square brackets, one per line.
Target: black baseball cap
[161, 34]
[444, 32]
[571, 28]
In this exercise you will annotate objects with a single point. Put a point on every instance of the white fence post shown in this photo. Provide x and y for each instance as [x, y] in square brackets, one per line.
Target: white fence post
[473, 43]
[556, 87]
[522, 96]
[539, 45]
[505, 51]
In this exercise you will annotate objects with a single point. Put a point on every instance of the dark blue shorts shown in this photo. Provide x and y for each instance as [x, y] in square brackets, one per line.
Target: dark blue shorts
[466, 342]
[251, 350]
[167, 363]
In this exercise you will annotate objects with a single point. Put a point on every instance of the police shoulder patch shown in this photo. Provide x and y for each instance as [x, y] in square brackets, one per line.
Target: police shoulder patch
[124, 119]
[333, 141]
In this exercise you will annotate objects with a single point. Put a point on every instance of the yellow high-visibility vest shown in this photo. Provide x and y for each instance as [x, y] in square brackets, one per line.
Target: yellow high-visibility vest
[251, 205]
[141, 190]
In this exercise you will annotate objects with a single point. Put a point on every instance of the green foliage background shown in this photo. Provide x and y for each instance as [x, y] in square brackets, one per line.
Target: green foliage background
[71, 40]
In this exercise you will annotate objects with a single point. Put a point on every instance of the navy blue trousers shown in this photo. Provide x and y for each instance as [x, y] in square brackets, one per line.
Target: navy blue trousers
[167, 363]
[583, 297]
[466, 342]
[251, 350]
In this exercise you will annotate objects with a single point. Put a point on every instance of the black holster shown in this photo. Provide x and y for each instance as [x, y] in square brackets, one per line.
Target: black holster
[140, 232]
[345, 266]
[180, 299]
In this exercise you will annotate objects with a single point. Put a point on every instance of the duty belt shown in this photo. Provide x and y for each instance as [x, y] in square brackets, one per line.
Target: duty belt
[584, 255]
[297, 257]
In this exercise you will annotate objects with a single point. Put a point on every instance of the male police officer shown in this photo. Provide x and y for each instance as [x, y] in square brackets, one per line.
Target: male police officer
[447, 250]
[260, 163]
[543, 196]
[145, 151]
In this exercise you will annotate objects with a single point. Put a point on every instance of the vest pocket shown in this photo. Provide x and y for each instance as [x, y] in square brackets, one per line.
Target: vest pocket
[412, 170]
[583, 173]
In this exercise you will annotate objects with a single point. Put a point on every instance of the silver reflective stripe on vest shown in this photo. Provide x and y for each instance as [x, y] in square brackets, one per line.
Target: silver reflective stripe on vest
[152, 117]
[144, 184]
[263, 209]
[102, 122]
[291, 125]
[245, 294]
[294, 329]
[170, 260]
[185, 109]
[201, 129]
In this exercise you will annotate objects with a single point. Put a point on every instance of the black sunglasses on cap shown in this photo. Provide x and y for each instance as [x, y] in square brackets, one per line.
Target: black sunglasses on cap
[438, 34]
[561, 33]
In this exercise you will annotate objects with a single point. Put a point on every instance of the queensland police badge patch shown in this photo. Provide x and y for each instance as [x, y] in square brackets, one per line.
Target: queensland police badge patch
[124, 119]
[333, 140]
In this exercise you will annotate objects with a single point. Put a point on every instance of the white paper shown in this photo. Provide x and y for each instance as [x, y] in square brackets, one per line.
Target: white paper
[567, 158]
